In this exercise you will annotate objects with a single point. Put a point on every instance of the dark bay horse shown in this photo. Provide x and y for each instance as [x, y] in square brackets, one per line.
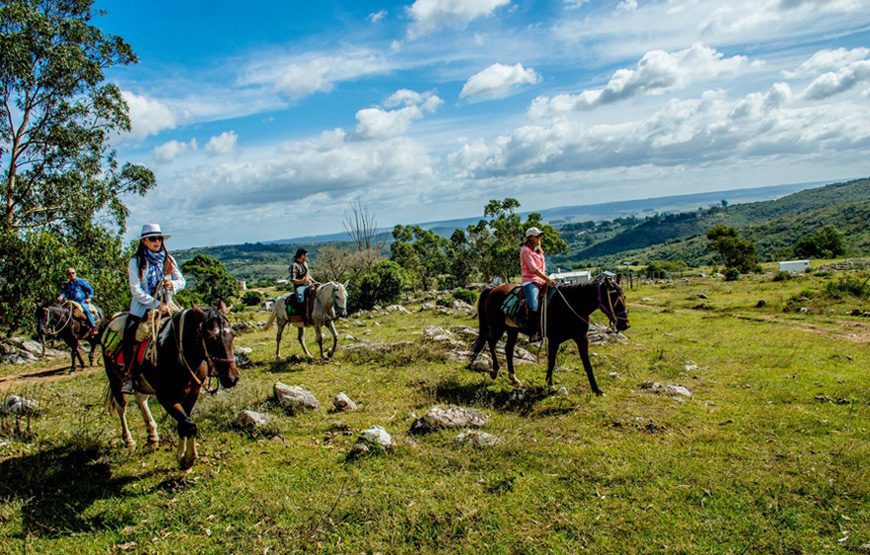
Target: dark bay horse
[567, 318]
[57, 321]
[192, 346]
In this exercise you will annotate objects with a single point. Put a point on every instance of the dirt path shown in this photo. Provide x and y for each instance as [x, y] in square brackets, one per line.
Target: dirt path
[45, 375]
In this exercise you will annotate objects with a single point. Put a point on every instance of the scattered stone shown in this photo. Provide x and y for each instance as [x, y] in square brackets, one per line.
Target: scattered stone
[803, 310]
[518, 395]
[367, 332]
[340, 426]
[343, 403]
[599, 334]
[562, 391]
[372, 440]
[349, 337]
[295, 399]
[668, 389]
[702, 296]
[481, 364]
[461, 305]
[242, 350]
[647, 300]
[17, 405]
[427, 306]
[614, 375]
[397, 308]
[477, 439]
[251, 420]
[376, 324]
[690, 367]
[451, 417]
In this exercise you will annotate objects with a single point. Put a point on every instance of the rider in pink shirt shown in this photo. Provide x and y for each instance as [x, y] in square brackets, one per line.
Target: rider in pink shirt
[533, 273]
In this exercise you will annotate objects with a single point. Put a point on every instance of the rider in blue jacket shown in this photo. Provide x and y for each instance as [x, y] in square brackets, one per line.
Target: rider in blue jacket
[80, 291]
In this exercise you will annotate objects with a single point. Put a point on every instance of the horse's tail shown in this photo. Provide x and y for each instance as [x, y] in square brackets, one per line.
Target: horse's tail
[111, 406]
[276, 306]
[482, 321]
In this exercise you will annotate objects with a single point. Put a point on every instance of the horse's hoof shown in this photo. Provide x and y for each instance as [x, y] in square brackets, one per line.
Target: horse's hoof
[131, 445]
[152, 446]
[598, 392]
[493, 373]
[516, 382]
[185, 464]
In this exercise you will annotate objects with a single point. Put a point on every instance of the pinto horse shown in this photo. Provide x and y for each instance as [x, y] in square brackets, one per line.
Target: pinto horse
[566, 317]
[330, 303]
[192, 346]
[57, 321]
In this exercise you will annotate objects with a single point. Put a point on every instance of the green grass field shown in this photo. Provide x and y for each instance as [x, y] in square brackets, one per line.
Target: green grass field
[771, 454]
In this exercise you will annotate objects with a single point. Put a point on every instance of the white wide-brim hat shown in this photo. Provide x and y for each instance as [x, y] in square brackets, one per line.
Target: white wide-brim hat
[153, 230]
[533, 232]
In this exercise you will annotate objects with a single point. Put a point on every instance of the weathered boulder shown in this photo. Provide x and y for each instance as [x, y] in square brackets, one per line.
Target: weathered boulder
[343, 403]
[371, 440]
[251, 420]
[477, 439]
[397, 308]
[481, 364]
[295, 399]
[427, 306]
[451, 417]
[673, 390]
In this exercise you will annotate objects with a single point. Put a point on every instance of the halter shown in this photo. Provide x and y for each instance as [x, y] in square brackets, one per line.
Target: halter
[336, 287]
[608, 308]
[210, 360]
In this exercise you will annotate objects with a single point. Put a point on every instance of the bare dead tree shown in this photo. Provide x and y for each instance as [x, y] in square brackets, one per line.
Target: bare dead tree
[362, 227]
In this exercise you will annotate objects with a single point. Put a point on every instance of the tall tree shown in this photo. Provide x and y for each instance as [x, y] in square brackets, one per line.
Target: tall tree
[57, 118]
[736, 252]
[212, 282]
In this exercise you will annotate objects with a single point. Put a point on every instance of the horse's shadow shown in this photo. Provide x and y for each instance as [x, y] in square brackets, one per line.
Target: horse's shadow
[519, 400]
[57, 487]
[293, 363]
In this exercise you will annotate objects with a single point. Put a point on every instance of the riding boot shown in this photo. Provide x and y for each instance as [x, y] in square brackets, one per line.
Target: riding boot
[532, 326]
[128, 343]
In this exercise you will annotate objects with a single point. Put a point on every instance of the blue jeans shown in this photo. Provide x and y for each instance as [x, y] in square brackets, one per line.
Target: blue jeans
[300, 293]
[530, 290]
[87, 310]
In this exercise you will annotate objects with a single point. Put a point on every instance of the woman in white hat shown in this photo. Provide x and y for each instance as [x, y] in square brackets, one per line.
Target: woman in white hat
[154, 277]
[533, 274]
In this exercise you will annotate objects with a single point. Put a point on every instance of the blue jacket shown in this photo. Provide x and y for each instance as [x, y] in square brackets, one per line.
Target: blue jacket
[77, 290]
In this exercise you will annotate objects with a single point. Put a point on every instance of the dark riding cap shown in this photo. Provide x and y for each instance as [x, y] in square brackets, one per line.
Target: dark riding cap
[300, 252]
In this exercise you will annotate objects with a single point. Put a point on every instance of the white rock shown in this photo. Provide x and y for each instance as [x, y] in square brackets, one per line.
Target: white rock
[691, 367]
[397, 308]
[451, 417]
[562, 391]
[673, 390]
[295, 399]
[242, 350]
[367, 332]
[427, 306]
[481, 364]
[343, 403]
[614, 375]
[251, 420]
[375, 439]
[477, 439]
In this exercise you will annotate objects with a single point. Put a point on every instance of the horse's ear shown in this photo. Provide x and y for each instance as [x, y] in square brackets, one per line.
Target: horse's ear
[197, 310]
[222, 307]
[345, 284]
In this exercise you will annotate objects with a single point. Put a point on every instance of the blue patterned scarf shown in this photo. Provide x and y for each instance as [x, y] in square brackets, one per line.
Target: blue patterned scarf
[155, 269]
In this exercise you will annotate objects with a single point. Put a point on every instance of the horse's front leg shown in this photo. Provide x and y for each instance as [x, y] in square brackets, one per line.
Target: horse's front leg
[334, 339]
[119, 405]
[150, 424]
[301, 337]
[91, 354]
[509, 355]
[78, 354]
[552, 352]
[583, 346]
[186, 453]
[318, 331]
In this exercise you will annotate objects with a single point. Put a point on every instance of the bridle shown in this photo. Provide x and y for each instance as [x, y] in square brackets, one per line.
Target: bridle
[609, 309]
[50, 318]
[336, 289]
[210, 360]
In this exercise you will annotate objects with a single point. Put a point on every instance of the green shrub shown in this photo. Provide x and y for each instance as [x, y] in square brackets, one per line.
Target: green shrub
[782, 276]
[252, 298]
[465, 295]
[732, 274]
[848, 287]
[384, 285]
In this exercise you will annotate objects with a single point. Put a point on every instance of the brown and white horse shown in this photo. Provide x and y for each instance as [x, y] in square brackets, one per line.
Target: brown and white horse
[58, 321]
[567, 318]
[192, 346]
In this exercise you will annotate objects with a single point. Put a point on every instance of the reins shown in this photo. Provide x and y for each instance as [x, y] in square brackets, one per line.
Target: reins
[53, 331]
[210, 360]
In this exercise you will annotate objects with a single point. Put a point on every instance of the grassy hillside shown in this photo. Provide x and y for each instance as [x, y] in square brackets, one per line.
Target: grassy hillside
[773, 225]
[768, 455]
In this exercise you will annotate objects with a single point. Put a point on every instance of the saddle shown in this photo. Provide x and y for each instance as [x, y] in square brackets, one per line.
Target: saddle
[516, 306]
[114, 334]
[78, 313]
[297, 312]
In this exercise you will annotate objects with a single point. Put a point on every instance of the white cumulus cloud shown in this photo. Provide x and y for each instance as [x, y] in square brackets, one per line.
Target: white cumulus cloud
[149, 116]
[657, 72]
[380, 123]
[430, 15]
[221, 144]
[627, 6]
[835, 82]
[497, 81]
[827, 60]
[171, 150]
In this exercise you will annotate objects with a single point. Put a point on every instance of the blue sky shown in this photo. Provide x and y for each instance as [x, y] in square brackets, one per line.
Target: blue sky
[264, 120]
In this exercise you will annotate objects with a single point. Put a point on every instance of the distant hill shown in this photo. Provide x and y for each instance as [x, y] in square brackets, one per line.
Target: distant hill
[773, 225]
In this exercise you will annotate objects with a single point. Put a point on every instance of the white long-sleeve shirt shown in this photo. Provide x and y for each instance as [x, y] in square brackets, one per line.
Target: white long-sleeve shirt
[142, 300]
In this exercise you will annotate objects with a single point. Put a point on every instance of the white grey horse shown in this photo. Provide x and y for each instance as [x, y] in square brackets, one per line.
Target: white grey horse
[330, 303]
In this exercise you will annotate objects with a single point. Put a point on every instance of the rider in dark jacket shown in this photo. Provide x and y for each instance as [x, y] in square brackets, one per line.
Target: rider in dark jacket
[79, 290]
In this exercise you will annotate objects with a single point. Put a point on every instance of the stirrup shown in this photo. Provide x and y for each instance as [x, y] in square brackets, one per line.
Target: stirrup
[128, 387]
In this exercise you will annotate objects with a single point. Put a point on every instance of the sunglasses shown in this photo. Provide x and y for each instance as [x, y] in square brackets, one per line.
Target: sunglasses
[154, 239]
[70, 273]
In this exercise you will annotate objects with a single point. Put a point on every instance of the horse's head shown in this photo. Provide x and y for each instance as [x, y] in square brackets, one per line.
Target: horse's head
[217, 339]
[339, 298]
[42, 318]
[611, 301]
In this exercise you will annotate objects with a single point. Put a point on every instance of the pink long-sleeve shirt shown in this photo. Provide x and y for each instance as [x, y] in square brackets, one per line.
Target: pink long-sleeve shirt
[529, 262]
